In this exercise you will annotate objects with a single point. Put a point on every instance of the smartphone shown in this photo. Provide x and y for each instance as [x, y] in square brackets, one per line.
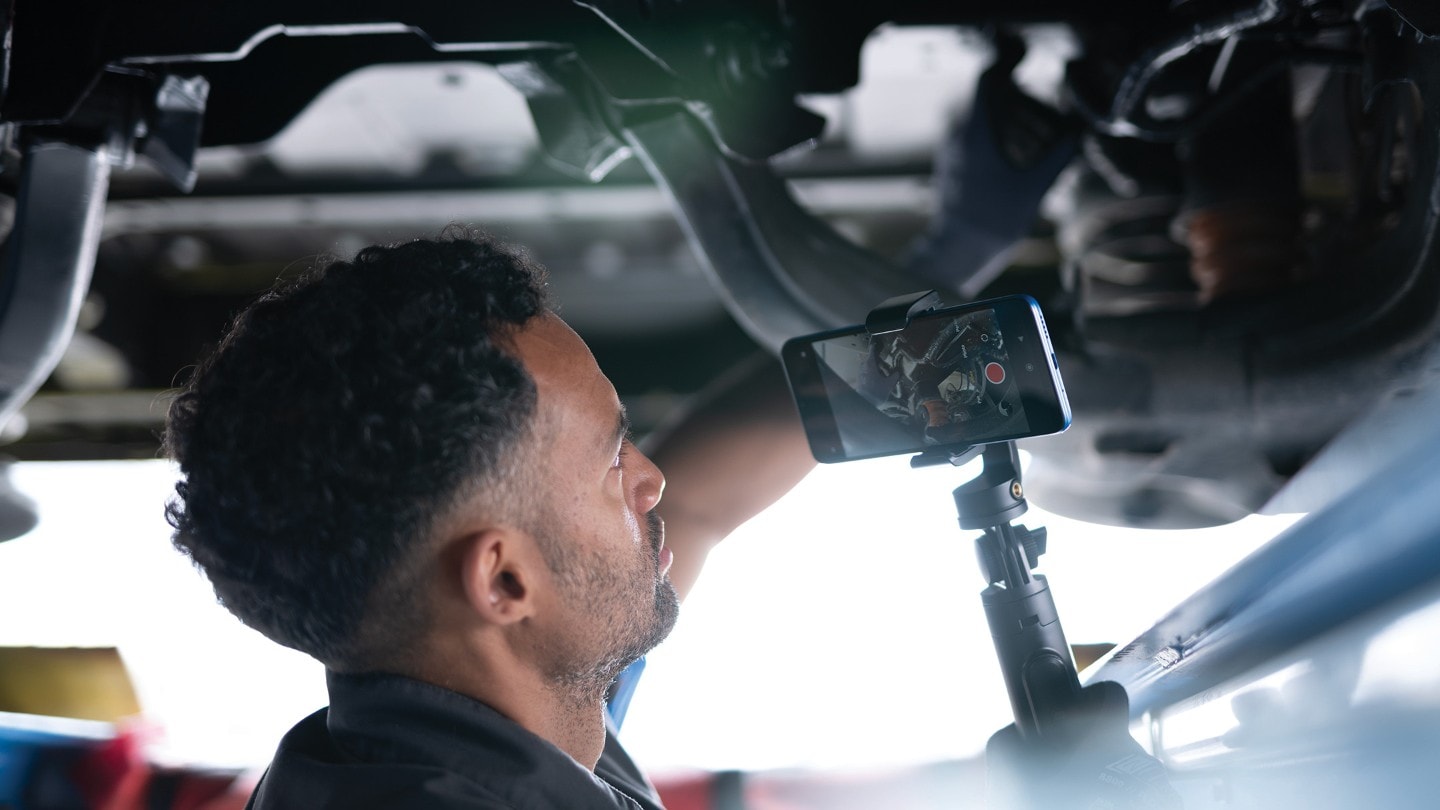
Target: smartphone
[953, 378]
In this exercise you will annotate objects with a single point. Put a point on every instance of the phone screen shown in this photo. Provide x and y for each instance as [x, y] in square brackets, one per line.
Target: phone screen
[953, 378]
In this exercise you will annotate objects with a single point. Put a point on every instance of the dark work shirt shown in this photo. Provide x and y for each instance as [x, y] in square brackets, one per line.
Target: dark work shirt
[392, 742]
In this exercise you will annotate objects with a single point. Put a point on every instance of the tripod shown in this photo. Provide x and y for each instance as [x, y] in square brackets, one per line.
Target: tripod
[1034, 658]
[1029, 641]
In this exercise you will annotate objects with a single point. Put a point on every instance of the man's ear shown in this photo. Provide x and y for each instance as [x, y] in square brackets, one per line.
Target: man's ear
[499, 575]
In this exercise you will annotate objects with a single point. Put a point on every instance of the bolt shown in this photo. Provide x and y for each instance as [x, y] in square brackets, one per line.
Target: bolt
[1169, 657]
[1016, 491]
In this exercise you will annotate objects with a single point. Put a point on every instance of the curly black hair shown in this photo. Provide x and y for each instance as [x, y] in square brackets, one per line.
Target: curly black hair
[340, 417]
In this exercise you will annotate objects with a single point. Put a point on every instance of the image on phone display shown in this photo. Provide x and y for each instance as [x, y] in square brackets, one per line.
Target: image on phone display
[954, 378]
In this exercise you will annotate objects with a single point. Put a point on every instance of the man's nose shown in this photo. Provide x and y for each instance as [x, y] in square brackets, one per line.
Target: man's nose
[649, 483]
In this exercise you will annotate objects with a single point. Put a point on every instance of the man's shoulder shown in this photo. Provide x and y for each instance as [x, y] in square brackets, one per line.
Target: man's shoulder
[312, 771]
[395, 743]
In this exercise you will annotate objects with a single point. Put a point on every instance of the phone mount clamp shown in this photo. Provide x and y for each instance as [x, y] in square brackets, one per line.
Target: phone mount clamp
[1034, 658]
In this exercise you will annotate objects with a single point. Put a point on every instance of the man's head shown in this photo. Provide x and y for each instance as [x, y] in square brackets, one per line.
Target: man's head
[603, 542]
[354, 417]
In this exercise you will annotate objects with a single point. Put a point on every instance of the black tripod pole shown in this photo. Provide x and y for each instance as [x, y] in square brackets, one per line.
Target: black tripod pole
[1034, 658]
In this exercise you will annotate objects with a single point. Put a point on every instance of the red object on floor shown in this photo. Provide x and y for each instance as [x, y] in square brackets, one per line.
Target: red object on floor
[114, 775]
[686, 791]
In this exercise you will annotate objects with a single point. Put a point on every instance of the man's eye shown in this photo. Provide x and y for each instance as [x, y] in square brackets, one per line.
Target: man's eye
[620, 456]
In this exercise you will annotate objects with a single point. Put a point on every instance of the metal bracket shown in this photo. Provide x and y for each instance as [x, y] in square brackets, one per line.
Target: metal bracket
[172, 133]
[783, 271]
[49, 255]
[48, 260]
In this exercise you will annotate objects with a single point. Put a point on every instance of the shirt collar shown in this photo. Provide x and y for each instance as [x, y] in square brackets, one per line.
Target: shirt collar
[389, 718]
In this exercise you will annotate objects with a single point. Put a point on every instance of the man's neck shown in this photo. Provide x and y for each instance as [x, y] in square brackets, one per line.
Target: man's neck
[575, 727]
[574, 724]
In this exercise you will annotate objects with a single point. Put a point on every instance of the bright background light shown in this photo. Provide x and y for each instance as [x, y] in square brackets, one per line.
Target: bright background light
[99, 571]
[840, 629]
[843, 627]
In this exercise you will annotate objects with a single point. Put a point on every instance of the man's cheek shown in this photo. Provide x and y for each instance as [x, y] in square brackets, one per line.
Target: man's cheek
[632, 526]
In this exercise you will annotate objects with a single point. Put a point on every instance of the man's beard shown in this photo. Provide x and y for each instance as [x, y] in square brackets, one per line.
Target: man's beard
[634, 607]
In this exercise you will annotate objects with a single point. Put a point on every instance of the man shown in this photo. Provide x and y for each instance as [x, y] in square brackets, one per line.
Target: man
[411, 469]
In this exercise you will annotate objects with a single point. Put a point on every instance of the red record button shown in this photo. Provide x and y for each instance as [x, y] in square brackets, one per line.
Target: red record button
[995, 373]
